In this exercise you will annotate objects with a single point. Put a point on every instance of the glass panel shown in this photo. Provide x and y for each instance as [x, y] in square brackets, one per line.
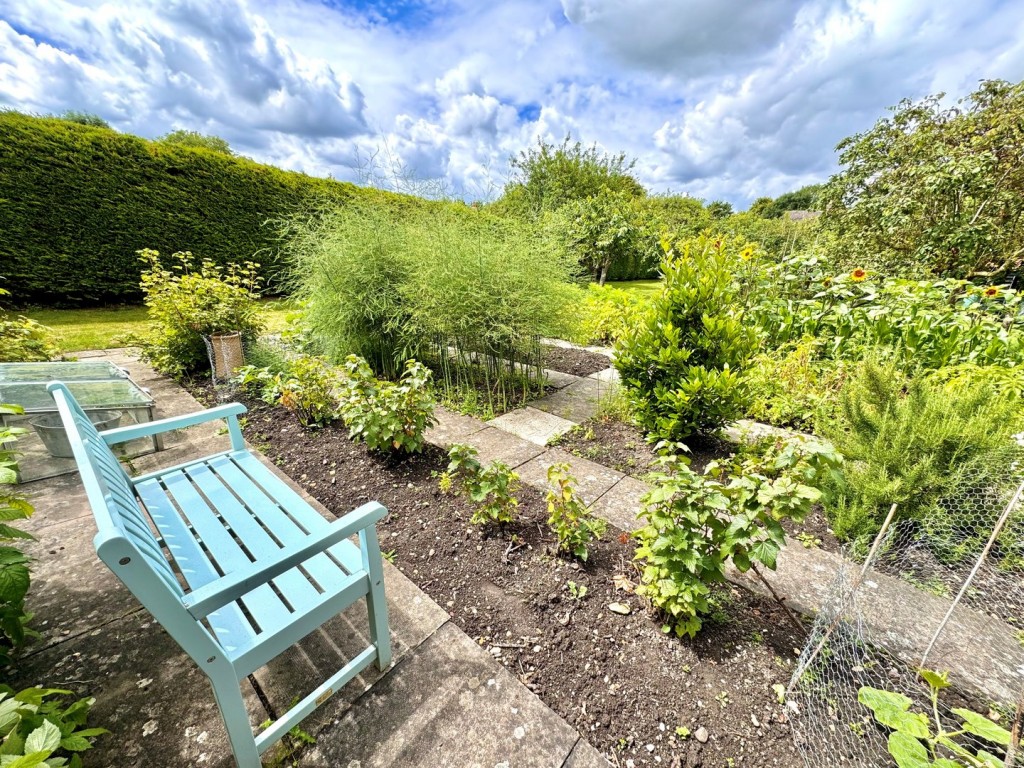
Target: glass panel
[47, 372]
[89, 394]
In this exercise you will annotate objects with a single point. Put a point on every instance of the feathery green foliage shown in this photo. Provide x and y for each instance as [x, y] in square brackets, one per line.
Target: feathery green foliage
[908, 441]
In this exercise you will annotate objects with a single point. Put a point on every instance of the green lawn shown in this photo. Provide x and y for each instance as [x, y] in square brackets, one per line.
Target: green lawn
[646, 288]
[80, 329]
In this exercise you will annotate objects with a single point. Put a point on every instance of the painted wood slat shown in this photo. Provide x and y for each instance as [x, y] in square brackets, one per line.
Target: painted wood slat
[228, 623]
[322, 568]
[297, 507]
[249, 528]
[262, 603]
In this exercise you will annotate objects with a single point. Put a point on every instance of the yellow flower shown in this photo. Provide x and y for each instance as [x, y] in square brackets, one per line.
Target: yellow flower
[991, 292]
[859, 275]
[746, 253]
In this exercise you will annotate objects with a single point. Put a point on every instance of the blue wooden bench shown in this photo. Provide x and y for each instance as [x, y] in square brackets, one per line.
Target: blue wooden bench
[233, 563]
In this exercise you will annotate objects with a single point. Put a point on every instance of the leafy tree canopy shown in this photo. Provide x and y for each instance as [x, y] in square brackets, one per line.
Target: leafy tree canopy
[184, 138]
[804, 199]
[546, 177]
[719, 209]
[935, 187]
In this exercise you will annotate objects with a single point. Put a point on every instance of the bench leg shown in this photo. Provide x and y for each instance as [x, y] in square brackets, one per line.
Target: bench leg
[236, 720]
[376, 601]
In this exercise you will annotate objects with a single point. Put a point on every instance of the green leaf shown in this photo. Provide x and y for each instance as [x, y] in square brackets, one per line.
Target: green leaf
[765, 552]
[937, 680]
[45, 738]
[981, 726]
[890, 709]
[907, 751]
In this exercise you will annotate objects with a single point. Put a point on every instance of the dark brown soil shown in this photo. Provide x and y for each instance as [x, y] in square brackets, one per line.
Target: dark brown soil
[578, 362]
[622, 446]
[623, 683]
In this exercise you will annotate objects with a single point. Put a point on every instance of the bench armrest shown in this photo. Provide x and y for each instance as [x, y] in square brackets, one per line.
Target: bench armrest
[207, 599]
[230, 412]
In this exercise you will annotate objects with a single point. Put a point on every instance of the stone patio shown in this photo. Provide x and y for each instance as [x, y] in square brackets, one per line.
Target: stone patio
[445, 700]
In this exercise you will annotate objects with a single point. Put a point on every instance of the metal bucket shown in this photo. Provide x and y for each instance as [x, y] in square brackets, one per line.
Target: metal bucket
[50, 429]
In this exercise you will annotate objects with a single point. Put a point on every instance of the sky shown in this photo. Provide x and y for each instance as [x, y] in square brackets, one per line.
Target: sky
[718, 99]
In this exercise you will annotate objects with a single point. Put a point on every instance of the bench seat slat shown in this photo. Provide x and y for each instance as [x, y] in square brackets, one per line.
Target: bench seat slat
[247, 524]
[228, 623]
[322, 568]
[298, 508]
[262, 603]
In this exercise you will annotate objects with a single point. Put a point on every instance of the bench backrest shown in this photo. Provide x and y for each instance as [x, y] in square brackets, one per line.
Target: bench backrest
[110, 491]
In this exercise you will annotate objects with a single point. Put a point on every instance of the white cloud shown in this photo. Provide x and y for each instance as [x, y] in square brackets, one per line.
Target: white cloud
[720, 98]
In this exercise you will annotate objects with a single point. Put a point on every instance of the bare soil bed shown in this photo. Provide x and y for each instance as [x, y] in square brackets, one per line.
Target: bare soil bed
[578, 362]
[623, 446]
[619, 679]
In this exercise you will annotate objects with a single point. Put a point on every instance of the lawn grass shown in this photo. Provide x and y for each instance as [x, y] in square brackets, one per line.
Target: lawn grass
[644, 288]
[80, 329]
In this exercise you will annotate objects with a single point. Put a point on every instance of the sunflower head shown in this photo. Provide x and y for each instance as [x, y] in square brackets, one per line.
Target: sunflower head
[991, 292]
[859, 275]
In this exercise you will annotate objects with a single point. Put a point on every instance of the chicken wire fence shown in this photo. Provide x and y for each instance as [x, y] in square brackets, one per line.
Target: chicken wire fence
[944, 593]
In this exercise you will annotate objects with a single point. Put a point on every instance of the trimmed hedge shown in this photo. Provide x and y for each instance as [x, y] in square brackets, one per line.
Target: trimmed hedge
[77, 202]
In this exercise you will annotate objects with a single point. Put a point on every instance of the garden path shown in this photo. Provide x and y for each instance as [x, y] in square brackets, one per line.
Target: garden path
[984, 652]
[445, 701]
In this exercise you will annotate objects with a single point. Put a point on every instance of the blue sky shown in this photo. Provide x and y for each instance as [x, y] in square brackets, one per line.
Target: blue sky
[720, 99]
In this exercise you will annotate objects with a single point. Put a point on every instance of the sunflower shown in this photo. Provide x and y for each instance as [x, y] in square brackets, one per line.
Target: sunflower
[746, 253]
[859, 275]
[991, 292]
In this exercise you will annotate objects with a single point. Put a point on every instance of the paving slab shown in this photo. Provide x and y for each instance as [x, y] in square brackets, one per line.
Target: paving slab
[451, 428]
[620, 504]
[578, 401]
[532, 424]
[984, 651]
[608, 374]
[157, 705]
[559, 380]
[72, 591]
[447, 704]
[592, 480]
[585, 756]
[498, 445]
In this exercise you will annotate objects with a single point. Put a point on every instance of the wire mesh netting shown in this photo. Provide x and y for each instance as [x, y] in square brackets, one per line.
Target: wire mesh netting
[945, 593]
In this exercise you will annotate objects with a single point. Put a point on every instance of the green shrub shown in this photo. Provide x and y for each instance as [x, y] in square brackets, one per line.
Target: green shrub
[928, 324]
[23, 340]
[187, 302]
[38, 729]
[606, 314]
[491, 488]
[14, 573]
[308, 386]
[386, 415]
[792, 387]
[79, 201]
[574, 525]
[908, 442]
[681, 367]
[696, 524]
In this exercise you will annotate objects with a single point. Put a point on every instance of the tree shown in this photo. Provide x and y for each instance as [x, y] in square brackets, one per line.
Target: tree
[807, 198]
[761, 206]
[682, 216]
[546, 177]
[935, 187]
[611, 226]
[184, 138]
[719, 209]
[84, 118]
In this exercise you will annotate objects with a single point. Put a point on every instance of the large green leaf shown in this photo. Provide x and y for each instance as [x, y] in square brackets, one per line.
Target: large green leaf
[890, 709]
[981, 726]
[45, 738]
[907, 751]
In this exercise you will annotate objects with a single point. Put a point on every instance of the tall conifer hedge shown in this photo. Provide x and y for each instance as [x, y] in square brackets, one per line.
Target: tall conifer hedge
[77, 202]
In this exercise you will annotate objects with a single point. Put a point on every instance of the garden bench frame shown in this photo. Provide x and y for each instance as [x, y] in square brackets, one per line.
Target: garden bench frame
[231, 561]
